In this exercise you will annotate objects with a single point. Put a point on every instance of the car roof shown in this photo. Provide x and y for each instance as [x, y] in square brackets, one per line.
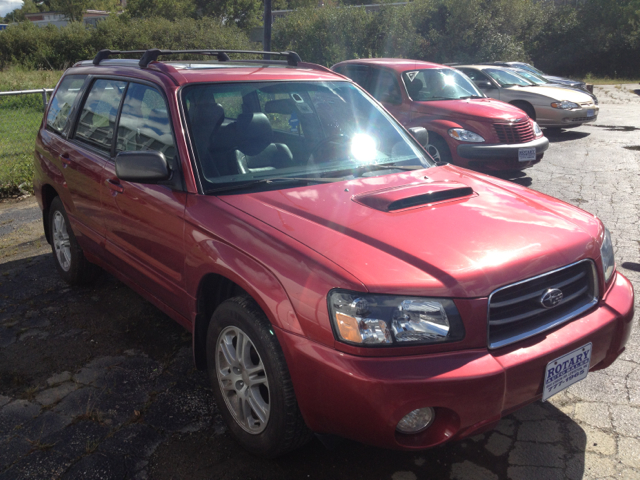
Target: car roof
[398, 64]
[185, 72]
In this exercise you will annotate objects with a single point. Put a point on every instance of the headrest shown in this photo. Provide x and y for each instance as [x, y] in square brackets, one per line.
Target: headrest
[252, 133]
[414, 88]
[285, 106]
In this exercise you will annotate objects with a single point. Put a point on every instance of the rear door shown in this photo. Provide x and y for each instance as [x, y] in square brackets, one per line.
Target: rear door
[145, 223]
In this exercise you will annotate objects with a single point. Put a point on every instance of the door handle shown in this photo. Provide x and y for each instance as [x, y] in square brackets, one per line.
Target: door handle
[115, 186]
[64, 157]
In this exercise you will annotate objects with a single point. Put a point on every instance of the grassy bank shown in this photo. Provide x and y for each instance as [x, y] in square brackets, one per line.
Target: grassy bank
[609, 81]
[20, 117]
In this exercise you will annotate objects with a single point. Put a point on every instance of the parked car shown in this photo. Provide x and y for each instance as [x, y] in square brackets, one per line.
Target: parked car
[465, 127]
[552, 78]
[333, 277]
[550, 107]
[542, 81]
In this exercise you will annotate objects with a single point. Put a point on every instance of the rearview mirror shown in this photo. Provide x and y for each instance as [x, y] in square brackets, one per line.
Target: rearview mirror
[420, 134]
[142, 167]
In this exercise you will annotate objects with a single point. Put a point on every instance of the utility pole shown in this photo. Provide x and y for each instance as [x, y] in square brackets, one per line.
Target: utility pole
[266, 39]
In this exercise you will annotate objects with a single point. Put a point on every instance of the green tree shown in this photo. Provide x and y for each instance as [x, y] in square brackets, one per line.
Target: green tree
[73, 10]
[169, 9]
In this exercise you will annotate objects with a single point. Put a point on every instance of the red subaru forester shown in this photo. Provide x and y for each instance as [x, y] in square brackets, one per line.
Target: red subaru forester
[465, 127]
[334, 278]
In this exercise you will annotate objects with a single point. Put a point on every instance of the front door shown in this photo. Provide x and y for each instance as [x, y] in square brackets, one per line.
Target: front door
[145, 223]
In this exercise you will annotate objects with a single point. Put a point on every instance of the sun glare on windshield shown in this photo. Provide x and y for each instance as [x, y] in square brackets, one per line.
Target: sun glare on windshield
[363, 148]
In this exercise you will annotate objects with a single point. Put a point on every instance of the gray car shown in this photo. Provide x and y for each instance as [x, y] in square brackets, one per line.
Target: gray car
[552, 78]
[543, 81]
[551, 107]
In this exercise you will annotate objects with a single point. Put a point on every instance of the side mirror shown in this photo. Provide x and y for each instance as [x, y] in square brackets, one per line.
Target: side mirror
[420, 134]
[142, 167]
[484, 84]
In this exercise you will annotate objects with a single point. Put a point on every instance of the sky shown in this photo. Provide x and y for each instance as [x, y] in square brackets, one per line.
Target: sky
[7, 6]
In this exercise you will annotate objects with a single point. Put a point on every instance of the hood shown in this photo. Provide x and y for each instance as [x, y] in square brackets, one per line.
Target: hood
[398, 235]
[480, 109]
[555, 93]
[568, 81]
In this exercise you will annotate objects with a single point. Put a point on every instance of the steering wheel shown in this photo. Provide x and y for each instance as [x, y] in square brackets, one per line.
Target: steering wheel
[325, 143]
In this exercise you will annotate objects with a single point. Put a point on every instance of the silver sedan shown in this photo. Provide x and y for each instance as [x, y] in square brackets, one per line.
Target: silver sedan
[551, 107]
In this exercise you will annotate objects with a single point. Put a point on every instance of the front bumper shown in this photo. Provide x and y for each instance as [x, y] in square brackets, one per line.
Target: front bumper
[480, 151]
[555, 117]
[363, 398]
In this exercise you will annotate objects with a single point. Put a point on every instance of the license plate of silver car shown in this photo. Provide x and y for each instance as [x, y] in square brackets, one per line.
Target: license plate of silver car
[526, 154]
[566, 370]
[591, 112]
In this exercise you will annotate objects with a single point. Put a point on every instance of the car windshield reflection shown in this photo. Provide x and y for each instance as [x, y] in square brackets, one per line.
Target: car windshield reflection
[439, 84]
[243, 132]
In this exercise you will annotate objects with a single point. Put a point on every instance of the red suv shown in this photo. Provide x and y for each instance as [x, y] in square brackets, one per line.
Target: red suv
[465, 127]
[334, 278]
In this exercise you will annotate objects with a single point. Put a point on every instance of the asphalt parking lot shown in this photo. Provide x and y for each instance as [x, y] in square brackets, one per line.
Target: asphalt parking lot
[97, 383]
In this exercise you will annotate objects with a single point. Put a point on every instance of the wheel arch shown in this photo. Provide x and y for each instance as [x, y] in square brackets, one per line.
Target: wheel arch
[526, 105]
[48, 194]
[215, 287]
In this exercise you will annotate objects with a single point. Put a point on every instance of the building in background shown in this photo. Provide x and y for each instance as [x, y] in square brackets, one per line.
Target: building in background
[42, 19]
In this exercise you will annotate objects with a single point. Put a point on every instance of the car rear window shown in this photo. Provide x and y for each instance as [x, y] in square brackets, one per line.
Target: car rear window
[63, 100]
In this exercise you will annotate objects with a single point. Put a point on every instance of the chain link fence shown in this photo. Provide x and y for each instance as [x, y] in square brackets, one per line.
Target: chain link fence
[20, 117]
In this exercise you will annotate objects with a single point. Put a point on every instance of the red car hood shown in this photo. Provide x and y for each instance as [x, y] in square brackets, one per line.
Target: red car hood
[481, 109]
[463, 247]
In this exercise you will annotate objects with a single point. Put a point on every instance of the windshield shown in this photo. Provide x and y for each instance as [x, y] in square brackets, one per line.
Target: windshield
[506, 78]
[530, 68]
[439, 84]
[532, 77]
[304, 131]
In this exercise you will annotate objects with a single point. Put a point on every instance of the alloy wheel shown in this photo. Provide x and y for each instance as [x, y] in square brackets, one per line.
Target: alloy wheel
[243, 380]
[61, 242]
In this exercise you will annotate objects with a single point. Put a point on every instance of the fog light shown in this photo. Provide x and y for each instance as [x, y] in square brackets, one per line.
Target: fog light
[416, 421]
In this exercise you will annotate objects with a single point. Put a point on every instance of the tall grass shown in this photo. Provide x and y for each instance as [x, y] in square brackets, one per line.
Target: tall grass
[20, 117]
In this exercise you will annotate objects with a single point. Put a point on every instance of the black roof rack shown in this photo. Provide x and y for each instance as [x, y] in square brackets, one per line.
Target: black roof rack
[152, 54]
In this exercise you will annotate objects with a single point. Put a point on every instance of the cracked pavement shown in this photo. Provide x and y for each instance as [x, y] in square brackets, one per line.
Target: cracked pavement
[97, 383]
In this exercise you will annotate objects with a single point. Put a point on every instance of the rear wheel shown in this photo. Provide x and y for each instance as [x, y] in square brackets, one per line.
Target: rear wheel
[251, 382]
[71, 264]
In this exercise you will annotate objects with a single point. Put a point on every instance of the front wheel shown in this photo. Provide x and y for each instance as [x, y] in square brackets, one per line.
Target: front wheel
[251, 381]
[71, 264]
[438, 149]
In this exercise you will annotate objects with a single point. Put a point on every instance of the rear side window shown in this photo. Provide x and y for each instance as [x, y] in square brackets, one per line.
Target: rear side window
[144, 122]
[98, 116]
[357, 73]
[62, 102]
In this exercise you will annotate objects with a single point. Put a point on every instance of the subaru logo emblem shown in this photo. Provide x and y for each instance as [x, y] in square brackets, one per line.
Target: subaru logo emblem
[551, 298]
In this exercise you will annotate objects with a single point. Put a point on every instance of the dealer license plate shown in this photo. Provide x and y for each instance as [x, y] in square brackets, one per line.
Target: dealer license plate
[591, 112]
[526, 154]
[566, 370]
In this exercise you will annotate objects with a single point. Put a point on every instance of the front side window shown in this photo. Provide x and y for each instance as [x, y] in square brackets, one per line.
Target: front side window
[306, 130]
[357, 73]
[98, 116]
[507, 79]
[144, 122]
[62, 101]
[438, 84]
[385, 88]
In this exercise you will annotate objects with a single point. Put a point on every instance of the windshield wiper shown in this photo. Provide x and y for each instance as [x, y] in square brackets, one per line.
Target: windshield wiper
[275, 180]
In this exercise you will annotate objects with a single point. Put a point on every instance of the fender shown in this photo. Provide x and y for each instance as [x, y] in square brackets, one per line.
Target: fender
[439, 125]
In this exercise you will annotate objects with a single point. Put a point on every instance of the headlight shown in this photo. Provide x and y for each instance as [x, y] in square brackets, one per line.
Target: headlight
[388, 320]
[465, 135]
[606, 253]
[536, 129]
[565, 105]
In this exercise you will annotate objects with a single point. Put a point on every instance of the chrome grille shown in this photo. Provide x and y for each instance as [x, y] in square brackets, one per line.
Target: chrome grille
[520, 132]
[516, 311]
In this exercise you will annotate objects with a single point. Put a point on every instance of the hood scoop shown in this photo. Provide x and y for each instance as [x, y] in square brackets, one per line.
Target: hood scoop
[411, 196]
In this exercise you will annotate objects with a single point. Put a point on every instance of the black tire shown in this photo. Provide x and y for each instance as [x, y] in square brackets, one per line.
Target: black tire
[438, 148]
[526, 108]
[70, 262]
[284, 429]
